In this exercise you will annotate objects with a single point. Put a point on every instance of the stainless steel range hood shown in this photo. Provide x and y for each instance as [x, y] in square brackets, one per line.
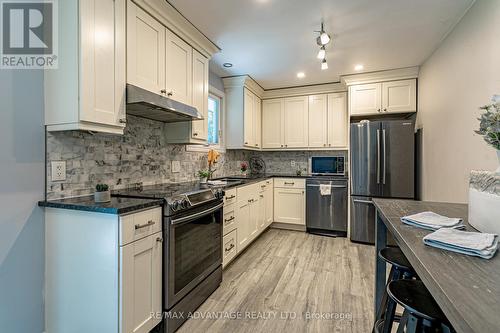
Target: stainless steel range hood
[145, 104]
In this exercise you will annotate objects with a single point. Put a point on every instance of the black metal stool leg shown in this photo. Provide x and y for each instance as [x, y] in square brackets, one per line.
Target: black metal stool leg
[402, 322]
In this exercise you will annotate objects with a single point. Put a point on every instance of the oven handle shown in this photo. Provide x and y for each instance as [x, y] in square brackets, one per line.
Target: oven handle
[191, 217]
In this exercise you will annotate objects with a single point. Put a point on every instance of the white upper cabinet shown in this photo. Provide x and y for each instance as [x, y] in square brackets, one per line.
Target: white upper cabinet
[387, 97]
[87, 91]
[365, 99]
[248, 118]
[399, 96]
[200, 95]
[145, 50]
[318, 124]
[296, 122]
[179, 82]
[273, 111]
[257, 115]
[338, 120]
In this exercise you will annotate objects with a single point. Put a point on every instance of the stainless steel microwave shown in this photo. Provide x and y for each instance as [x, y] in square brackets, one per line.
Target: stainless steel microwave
[327, 165]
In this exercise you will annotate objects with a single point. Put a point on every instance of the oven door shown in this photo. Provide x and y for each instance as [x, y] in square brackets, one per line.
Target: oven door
[194, 250]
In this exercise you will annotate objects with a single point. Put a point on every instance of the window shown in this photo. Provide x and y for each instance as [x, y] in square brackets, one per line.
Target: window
[213, 117]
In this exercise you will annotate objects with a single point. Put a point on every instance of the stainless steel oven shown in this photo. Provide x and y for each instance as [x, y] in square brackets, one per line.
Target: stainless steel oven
[193, 250]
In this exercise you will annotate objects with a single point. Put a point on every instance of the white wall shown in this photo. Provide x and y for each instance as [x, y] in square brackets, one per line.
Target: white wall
[461, 75]
[21, 186]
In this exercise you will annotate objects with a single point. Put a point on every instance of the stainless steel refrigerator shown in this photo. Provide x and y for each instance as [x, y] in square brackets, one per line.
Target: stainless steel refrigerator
[382, 166]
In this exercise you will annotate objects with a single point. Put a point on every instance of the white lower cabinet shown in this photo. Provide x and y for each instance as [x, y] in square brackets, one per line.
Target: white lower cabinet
[229, 246]
[141, 284]
[103, 272]
[289, 201]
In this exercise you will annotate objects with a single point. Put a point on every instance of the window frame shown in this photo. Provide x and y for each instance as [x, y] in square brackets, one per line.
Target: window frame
[221, 147]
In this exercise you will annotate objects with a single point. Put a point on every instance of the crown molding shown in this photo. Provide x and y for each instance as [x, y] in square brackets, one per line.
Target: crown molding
[178, 24]
[243, 81]
[381, 76]
[305, 90]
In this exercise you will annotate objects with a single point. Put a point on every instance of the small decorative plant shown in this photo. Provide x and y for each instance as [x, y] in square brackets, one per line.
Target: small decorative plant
[489, 123]
[203, 174]
[102, 193]
[243, 167]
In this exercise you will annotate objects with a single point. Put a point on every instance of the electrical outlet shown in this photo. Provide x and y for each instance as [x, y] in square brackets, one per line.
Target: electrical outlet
[176, 166]
[292, 163]
[58, 170]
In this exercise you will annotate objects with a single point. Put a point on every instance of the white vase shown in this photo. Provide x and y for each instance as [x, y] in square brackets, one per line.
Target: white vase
[484, 201]
[102, 196]
[203, 180]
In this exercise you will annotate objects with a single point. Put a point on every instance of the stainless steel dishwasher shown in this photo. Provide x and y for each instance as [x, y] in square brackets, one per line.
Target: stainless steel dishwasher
[326, 206]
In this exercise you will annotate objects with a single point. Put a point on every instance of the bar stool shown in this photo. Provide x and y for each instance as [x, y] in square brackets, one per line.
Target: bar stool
[400, 269]
[421, 314]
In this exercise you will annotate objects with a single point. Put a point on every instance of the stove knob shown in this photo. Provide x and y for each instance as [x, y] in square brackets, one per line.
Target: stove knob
[183, 203]
[175, 205]
[220, 194]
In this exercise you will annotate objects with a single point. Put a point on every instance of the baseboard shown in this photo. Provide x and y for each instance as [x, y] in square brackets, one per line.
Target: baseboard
[288, 226]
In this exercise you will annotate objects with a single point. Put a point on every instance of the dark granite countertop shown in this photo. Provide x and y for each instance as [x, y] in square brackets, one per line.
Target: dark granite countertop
[239, 180]
[115, 206]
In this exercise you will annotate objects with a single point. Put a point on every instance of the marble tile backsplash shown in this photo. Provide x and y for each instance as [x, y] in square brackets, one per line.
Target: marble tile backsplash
[141, 155]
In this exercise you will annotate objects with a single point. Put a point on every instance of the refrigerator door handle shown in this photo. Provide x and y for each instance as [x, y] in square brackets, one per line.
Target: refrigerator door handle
[385, 157]
[363, 201]
[378, 156]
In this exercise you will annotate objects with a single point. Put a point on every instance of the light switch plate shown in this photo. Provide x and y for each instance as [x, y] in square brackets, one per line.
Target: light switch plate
[176, 166]
[58, 170]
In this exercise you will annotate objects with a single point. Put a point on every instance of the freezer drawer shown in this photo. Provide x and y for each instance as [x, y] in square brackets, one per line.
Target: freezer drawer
[326, 212]
[362, 228]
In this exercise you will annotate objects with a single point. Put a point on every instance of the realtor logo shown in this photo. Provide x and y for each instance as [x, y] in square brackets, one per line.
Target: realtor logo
[29, 34]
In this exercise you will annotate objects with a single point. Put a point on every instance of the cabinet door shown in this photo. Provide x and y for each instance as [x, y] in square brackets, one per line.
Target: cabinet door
[318, 129]
[145, 50]
[338, 120]
[179, 80]
[261, 208]
[200, 95]
[255, 216]
[102, 28]
[141, 281]
[289, 206]
[399, 96]
[243, 222]
[296, 122]
[365, 99]
[248, 121]
[272, 123]
[269, 199]
[257, 116]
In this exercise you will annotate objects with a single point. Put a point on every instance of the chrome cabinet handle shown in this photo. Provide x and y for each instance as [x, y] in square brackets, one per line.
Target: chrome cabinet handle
[246, 143]
[195, 134]
[163, 91]
[170, 93]
[145, 225]
[385, 109]
[256, 145]
[378, 110]
[281, 145]
[229, 249]
[261, 196]
[122, 120]
[231, 197]
[159, 240]
[229, 219]
[251, 200]
[292, 183]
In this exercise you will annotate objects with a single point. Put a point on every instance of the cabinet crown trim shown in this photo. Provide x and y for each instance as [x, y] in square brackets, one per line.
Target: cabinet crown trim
[243, 81]
[381, 76]
[316, 89]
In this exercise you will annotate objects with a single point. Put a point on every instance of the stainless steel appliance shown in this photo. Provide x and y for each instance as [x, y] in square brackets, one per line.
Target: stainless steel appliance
[192, 254]
[327, 165]
[326, 205]
[146, 104]
[382, 166]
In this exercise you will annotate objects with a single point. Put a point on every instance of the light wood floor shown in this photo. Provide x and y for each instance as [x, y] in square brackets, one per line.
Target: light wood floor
[286, 272]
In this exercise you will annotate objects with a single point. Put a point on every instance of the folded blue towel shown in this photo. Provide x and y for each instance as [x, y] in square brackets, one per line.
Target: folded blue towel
[432, 221]
[470, 243]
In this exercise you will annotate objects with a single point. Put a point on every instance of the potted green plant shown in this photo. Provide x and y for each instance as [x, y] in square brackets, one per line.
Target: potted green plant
[489, 125]
[102, 193]
[244, 168]
[203, 174]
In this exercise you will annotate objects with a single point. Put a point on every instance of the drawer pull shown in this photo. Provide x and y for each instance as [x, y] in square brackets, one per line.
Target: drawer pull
[229, 219]
[262, 186]
[159, 240]
[261, 195]
[140, 226]
[227, 249]
[231, 197]
[286, 183]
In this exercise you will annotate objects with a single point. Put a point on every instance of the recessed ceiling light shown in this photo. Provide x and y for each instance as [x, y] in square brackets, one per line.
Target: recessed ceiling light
[301, 75]
[227, 64]
[359, 67]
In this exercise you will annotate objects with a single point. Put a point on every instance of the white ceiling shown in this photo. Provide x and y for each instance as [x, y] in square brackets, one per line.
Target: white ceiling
[272, 40]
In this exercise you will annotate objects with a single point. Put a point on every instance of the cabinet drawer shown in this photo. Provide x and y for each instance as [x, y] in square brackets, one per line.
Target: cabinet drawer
[139, 225]
[229, 222]
[229, 247]
[230, 197]
[290, 182]
[262, 186]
